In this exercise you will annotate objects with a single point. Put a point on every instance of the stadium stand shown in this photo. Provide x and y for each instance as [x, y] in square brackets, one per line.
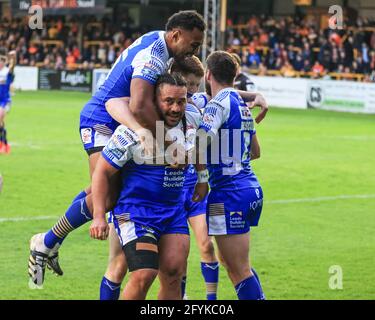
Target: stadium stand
[287, 46]
[294, 47]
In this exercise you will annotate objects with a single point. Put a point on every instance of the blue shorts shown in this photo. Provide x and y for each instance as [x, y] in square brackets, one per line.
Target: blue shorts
[95, 135]
[5, 104]
[233, 212]
[137, 221]
[193, 208]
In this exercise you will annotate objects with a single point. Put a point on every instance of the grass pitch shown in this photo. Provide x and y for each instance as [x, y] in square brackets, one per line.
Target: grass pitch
[317, 171]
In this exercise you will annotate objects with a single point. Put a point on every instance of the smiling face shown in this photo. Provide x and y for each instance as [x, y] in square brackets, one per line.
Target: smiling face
[186, 43]
[171, 101]
[193, 82]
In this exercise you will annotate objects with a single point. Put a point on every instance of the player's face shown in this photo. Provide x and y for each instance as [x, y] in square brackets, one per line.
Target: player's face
[187, 43]
[171, 101]
[193, 82]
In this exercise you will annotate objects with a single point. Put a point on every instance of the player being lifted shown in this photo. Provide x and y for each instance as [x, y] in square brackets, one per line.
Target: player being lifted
[6, 79]
[149, 215]
[236, 199]
[192, 70]
[134, 74]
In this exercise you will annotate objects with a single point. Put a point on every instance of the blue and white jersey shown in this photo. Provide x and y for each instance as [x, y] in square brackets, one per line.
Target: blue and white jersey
[145, 184]
[146, 59]
[193, 119]
[6, 79]
[200, 99]
[229, 121]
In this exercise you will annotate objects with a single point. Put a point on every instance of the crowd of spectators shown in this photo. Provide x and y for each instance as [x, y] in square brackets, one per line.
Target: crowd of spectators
[290, 45]
[58, 45]
[293, 46]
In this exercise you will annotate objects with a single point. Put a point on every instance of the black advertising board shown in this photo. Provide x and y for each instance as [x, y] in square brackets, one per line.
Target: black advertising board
[48, 79]
[68, 80]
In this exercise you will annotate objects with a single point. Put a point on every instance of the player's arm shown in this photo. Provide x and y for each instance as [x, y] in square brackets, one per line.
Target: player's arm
[255, 148]
[99, 228]
[256, 100]
[115, 154]
[193, 120]
[119, 110]
[142, 104]
[12, 61]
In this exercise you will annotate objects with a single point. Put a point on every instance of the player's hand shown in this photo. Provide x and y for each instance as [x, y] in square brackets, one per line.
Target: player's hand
[12, 53]
[99, 229]
[200, 191]
[261, 102]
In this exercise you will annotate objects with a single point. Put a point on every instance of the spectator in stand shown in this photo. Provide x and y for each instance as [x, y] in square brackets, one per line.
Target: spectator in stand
[70, 59]
[317, 69]
[298, 63]
[287, 70]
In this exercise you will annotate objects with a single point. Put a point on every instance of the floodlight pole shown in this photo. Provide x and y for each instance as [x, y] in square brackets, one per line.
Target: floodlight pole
[210, 16]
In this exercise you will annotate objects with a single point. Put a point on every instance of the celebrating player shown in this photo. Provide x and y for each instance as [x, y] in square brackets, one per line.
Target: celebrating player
[133, 74]
[192, 70]
[149, 215]
[236, 198]
[6, 79]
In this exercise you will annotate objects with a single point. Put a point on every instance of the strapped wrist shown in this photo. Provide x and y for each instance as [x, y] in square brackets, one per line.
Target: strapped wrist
[202, 176]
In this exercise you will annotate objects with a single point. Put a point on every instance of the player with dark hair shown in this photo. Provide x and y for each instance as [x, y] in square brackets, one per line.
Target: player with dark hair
[134, 75]
[192, 70]
[149, 215]
[6, 79]
[236, 198]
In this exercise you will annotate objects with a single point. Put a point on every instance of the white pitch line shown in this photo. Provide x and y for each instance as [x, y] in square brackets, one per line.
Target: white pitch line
[37, 218]
[284, 201]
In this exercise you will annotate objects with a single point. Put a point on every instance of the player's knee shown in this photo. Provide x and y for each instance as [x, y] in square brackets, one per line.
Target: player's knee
[207, 248]
[174, 268]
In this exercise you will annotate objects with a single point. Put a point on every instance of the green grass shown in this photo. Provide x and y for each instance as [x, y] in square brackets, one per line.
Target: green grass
[305, 154]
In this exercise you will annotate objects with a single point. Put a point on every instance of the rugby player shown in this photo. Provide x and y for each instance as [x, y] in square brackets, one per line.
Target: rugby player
[134, 74]
[149, 215]
[235, 200]
[6, 79]
[192, 70]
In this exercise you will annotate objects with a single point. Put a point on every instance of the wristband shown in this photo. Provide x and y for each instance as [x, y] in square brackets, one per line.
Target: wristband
[202, 176]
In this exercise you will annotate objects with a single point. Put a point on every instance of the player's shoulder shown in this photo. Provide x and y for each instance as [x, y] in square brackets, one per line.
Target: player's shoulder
[200, 99]
[124, 137]
[154, 43]
[191, 108]
[222, 99]
[193, 115]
